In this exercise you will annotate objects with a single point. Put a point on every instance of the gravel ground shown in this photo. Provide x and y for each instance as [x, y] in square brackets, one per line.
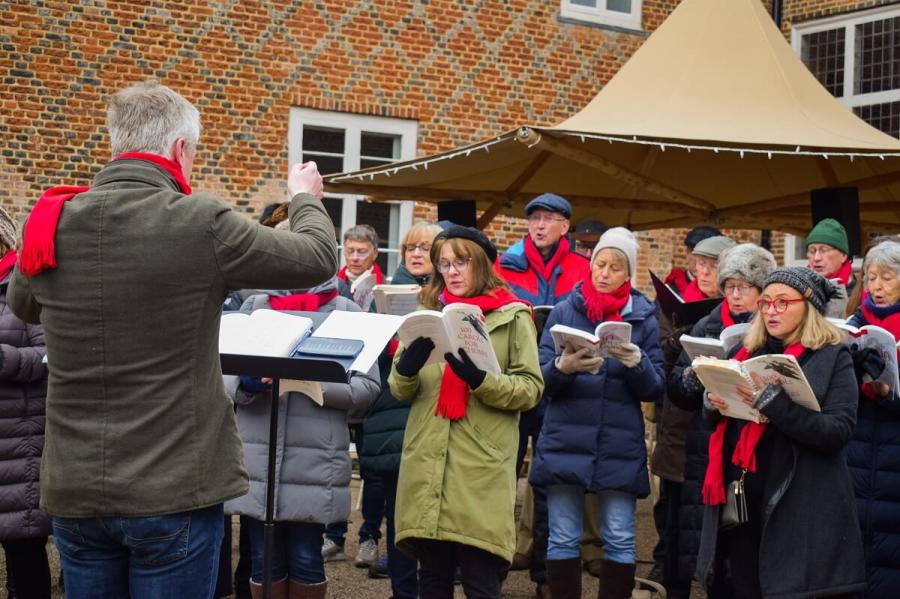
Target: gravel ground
[349, 582]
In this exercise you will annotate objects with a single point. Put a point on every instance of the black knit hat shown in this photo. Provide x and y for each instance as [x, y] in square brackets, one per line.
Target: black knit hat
[808, 283]
[698, 234]
[472, 234]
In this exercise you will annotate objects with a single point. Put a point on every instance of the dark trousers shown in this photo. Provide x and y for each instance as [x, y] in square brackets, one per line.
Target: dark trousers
[530, 424]
[223, 581]
[667, 517]
[737, 563]
[242, 570]
[480, 571]
[27, 565]
[402, 568]
[372, 501]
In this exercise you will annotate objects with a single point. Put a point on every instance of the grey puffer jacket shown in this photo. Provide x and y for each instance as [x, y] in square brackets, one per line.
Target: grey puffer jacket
[312, 456]
[23, 391]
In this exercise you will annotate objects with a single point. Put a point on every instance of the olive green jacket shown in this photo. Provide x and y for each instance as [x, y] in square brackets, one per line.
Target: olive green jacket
[457, 478]
[138, 421]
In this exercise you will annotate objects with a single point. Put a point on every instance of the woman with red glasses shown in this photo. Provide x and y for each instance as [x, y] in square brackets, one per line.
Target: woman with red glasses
[802, 538]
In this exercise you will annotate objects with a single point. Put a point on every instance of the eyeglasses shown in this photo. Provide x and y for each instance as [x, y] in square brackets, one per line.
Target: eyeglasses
[706, 264]
[780, 304]
[357, 253]
[741, 289]
[422, 247]
[459, 264]
[544, 218]
[822, 250]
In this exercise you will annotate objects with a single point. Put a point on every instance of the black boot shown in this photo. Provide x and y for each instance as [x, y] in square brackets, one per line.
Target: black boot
[616, 580]
[564, 578]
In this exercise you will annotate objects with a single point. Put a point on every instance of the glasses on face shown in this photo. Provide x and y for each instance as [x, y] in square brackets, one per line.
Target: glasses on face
[780, 304]
[741, 289]
[357, 253]
[460, 264]
[822, 250]
[704, 264]
[420, 247]
[544, 218]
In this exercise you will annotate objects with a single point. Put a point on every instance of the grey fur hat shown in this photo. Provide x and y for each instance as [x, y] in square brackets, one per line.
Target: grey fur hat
[747, 262]
[7, 230]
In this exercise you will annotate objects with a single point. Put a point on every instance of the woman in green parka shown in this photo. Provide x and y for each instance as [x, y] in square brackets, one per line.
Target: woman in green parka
[457, 481]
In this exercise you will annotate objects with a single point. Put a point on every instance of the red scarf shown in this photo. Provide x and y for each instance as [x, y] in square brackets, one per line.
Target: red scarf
[693, 293]
[536, 260]
[744, 455]
[678, 278]
[376, 270]
[304, 302]
[39, 239]
[7, 263]
[844, 273]
[454, 395]
[890, 323]
[604, 306]
[727, 320]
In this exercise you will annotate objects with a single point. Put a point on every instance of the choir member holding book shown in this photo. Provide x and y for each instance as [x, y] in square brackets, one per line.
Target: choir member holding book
[680, 455]
[874, 451]
[779, 519]
[456, 489]
[592, 440]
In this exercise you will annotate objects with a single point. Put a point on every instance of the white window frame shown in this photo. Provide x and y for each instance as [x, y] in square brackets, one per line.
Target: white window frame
[353, 126]
[848, 22]
[604, 16]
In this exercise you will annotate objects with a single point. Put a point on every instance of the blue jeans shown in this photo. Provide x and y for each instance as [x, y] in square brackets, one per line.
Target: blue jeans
[153, 557]
[297, 551]
[565, 506]
[402, 568]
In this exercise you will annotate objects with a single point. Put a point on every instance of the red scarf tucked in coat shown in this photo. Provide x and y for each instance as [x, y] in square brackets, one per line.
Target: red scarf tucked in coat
[744, 455]
[604, 306]
[7, 263]
[454, 395]
[376, 270]
[39, 238]
[844, 273]
[725, 313]
[536, 260]
[303, 302]
[693, 293]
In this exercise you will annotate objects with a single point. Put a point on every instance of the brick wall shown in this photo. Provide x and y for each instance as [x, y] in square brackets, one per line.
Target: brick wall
[464, 71]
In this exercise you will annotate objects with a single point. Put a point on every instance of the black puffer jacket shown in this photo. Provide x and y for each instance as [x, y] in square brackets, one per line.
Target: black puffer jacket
[23, 391]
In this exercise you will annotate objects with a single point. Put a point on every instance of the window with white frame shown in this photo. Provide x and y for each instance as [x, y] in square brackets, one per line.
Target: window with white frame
[857, 58]
[341, 142]
[618, 13]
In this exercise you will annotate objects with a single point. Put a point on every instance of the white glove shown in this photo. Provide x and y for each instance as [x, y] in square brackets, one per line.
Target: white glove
[305, 178]
[571, 361]
[628, 354]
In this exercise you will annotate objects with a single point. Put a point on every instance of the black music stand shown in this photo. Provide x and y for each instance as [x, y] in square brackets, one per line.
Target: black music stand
[308, 368]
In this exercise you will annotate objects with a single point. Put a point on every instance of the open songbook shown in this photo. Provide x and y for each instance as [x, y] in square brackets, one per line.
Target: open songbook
[722, 377]
[458, 326]
[363, 290]
[606, 336]
[675, 308]
[878, 339]
[712, 347]
[398, 300]
[262, 333]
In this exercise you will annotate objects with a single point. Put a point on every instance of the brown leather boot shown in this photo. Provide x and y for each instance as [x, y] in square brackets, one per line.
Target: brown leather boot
[279, 589]
[298, 590]
[616, 580]
[564, 578]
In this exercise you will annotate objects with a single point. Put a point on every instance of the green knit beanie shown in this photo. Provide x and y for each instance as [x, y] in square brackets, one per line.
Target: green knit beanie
[831, 232]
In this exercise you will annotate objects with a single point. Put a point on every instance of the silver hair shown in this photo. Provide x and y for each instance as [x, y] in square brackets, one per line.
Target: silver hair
[149, 117]
[364, 233]
[885, 255]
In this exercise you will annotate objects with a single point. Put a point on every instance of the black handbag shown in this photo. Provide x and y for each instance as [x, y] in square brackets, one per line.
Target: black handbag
[735, 512]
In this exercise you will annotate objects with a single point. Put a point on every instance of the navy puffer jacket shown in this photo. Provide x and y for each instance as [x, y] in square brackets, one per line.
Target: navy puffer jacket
[593, 433]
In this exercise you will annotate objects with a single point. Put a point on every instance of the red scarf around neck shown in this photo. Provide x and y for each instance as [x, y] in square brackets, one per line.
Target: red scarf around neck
[376, 270]
[39, 238]
[725, 312]
[844, 273]
[536, 260]
[744, 455]
[304, 302]
[890, 323]
[692, 293]
[7, 263]
[604, 306]
[454, 395]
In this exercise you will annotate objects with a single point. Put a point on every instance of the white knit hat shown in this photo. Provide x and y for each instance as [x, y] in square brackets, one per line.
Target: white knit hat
[621, 239]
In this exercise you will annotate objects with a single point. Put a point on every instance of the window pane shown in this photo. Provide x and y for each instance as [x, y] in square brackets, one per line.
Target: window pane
[877, 56]
[885, 117]
[378, 216]
[619, 5]
[326, 164]
[823, 54]
[335, 209]
[376, 145]
[367, 162]
[588, 3]
[317, 139]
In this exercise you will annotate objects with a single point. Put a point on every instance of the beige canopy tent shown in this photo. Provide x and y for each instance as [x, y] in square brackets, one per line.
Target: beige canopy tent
[714, 119]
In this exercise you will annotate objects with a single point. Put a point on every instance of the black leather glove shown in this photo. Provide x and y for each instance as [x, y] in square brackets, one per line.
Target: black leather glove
[867, 361]
[465, 369]
[414, 356]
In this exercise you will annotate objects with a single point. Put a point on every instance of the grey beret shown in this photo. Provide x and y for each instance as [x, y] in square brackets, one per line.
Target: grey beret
[747, 262]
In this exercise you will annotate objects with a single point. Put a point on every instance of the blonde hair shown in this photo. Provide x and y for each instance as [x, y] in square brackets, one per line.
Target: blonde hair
[486, 278]
[423, 230]
[814, 331]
